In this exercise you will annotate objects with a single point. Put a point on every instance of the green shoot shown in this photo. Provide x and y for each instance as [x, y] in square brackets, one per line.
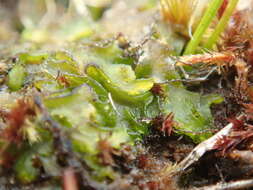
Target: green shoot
[221, 25]
[203, 25]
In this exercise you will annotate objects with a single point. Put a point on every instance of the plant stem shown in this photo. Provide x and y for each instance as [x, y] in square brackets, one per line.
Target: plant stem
[222, 24]
[210, 13]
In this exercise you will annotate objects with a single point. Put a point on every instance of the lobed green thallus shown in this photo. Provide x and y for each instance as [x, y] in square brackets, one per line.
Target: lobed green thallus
[97, 89]
[103, 100]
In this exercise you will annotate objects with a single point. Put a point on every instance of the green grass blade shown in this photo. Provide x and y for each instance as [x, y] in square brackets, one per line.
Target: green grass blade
[210, 13]
[221, 25]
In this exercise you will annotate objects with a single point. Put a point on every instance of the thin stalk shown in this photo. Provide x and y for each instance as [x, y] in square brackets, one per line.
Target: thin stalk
[210, 13]
[222, 24]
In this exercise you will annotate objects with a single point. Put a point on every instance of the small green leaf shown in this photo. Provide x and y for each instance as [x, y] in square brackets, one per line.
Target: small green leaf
[33, 58]
[16, 77]
[131, 97]
[24, 168]
[192, 111]
[96, 11]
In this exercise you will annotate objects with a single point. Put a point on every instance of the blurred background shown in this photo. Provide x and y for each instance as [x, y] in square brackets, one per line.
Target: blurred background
[57, 21]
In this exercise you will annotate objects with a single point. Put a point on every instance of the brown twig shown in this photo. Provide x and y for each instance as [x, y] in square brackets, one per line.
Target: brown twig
[242, 184]
[215, 58]
[204, 147]
[69, 179]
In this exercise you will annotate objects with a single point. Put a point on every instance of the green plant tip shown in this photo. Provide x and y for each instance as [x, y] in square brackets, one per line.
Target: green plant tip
[221, 25]
[202, 27]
